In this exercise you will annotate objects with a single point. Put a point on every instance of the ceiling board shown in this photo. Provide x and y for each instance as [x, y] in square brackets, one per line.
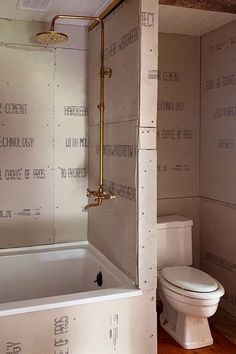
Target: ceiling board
[192, 22]
[215, 5]
[9, 10]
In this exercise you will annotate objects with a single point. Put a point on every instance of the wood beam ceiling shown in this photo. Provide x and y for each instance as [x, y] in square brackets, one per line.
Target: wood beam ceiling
[209, 5]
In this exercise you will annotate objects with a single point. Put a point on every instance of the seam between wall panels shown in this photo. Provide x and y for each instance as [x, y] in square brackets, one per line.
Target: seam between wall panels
[137, 147]
[200, 124]
[177, 198]
[3, 44]
[218, 201]
[137, 204]
[54, 147]
[200, 153]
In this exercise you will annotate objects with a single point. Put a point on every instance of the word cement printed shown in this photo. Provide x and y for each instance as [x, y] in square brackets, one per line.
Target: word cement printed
[60, 331]
[176, 168]
[27, 212]
[225, 112]
[13, 347]
[118, 150]
[14, 108]
[120, 190]
[148, 19]
[76, 142]
[16, 142]
[175, 134]
[20, 174]
[73, 172]
[170, 106]
[226, 143]
[224, 81]
[114, 330]
[125, 41]
[76, 111]
[221, 262]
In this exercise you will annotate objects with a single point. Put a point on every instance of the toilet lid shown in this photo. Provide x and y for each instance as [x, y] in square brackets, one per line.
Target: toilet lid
[189, 278]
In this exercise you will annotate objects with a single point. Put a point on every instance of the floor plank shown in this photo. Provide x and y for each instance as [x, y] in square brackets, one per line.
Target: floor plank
[167, 345]
[225, 324]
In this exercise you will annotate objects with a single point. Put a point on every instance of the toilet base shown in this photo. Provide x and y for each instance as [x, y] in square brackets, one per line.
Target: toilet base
[189, 332]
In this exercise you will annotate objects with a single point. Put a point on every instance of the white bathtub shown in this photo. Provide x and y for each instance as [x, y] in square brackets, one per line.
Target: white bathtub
[48, 277]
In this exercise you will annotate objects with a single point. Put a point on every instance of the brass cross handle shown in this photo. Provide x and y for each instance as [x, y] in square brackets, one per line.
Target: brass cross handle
[99, 197]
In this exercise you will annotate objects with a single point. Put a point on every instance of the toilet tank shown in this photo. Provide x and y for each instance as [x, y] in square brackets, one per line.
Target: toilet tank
[174, 241]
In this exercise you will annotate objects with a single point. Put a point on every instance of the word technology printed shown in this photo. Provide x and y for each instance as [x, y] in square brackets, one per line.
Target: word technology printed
[16, 142]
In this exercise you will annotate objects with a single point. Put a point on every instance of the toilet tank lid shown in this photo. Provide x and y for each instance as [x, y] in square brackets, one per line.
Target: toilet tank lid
[189, 278]
[172, 221]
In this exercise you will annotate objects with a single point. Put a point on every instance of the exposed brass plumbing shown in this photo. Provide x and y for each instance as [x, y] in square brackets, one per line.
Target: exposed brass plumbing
[52, 37]
[99, 197]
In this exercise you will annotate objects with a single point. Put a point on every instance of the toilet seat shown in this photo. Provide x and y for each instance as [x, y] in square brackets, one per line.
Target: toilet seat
[191, 294]
[189, 278]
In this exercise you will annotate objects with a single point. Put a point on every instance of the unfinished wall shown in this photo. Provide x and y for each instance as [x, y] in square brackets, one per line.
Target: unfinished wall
[113, 226]
[178, 129]
[124, 230]
[117, 326]
[43, 144]
[147, 152]
[218, 173]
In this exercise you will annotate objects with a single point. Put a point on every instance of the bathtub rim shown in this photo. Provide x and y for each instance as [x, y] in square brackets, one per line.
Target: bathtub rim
[128, 288]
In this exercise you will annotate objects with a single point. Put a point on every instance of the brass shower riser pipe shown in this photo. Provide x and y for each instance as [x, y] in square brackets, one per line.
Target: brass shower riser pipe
[99, 195]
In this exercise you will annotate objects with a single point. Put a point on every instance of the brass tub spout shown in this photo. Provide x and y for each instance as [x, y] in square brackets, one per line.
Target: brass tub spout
[93, 205]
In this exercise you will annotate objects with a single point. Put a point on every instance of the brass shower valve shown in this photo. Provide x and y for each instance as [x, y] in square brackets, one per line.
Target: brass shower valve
[101, 107]
[99, 197]
[108, 72]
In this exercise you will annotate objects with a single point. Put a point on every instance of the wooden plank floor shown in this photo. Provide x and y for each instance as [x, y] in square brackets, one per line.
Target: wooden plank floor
[167, 345]
[225, 324]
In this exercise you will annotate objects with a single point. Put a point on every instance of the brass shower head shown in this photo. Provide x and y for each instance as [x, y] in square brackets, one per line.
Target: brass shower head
[51, 37]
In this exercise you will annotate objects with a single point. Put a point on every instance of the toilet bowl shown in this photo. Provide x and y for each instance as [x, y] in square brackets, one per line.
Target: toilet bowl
[189, 297]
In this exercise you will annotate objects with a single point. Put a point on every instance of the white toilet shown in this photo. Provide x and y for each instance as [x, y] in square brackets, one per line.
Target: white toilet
[189, 296]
